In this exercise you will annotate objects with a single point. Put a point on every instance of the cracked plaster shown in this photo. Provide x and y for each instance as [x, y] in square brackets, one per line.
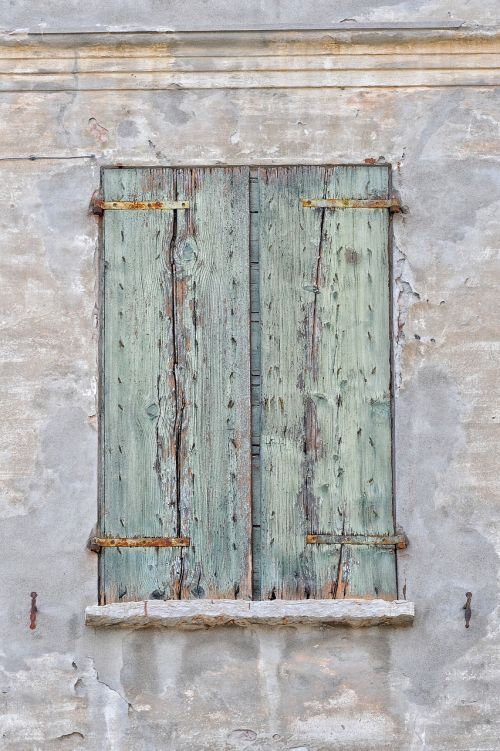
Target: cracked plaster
[431, 687]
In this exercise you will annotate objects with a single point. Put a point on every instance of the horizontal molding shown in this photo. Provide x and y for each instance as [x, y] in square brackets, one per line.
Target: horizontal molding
[191, 614]
[247, 80]
[267, 39]
[327, 58]
[300, 27]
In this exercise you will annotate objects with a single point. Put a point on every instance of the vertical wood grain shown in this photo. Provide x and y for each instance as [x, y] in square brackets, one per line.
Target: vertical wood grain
[326, 423]
[289, 240]
[363, 470]
[176, 429]
[210, 254]
[139, 472]
[176, 413]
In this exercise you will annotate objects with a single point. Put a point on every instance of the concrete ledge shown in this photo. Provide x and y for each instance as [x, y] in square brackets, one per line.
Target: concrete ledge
[189, 614]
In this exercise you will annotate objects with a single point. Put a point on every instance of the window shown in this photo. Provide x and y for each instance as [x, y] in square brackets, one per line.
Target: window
[245, 419]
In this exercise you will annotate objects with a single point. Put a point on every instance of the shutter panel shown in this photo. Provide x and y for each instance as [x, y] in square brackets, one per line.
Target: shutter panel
[175, 422]
[326, 406]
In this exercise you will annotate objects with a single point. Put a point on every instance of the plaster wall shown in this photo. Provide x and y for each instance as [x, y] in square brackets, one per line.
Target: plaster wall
[432, 686]
[50, 15]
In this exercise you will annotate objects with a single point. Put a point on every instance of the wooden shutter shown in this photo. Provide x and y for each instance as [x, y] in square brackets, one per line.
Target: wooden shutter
[175, 422]
[325, 391]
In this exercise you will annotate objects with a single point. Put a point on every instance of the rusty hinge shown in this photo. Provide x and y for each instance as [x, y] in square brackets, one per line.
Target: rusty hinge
[96, 543]
[400, 540]
[98, 206]
[392, 204]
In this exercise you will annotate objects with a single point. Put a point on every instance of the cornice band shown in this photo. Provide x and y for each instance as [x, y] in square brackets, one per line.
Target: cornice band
[396, 56]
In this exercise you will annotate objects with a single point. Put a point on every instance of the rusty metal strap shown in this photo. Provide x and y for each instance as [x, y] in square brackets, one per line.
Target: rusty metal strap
[139, 542]
[351, 203]
[99, 205]
[400, 541]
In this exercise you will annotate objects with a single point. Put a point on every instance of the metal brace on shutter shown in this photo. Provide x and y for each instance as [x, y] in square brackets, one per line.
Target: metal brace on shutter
[392, 204]
[98, 206]
[97, 543]
[400, 540]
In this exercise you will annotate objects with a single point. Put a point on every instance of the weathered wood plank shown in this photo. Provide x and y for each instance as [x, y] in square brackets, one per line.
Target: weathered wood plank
[176, 385]
[139, 487]
[363, 470]
[212, 380]
[289, 239]
[326, 423]
[204, 614]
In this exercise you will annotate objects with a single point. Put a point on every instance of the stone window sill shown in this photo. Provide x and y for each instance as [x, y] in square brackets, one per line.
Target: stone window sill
[190, 614]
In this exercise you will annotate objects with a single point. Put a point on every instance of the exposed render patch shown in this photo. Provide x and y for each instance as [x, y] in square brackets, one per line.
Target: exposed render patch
[99, 132]
[63, 717]
[236, 737]
[405, 296]
[71, 736]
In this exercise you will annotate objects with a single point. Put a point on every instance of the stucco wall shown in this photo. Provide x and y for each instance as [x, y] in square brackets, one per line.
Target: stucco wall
[220, 14]
[431, 686]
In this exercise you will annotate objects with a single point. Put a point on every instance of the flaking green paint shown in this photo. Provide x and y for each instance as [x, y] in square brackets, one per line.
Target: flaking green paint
[182, 293]
[176, 404]
[325, 358]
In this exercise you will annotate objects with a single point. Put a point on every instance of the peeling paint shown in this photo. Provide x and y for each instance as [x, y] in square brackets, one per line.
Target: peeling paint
[404, 297]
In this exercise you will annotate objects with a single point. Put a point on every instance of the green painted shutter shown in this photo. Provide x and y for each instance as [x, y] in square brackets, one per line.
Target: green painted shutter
[175, 421]
[177, 371]
[325, 384]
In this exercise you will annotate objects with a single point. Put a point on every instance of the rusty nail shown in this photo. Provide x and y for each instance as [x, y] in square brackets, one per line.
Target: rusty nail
[468, 609]
[33, 611]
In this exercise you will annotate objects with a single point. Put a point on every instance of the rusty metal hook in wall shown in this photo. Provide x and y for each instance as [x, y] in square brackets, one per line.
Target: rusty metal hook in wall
[468, 609]
[33, 611]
